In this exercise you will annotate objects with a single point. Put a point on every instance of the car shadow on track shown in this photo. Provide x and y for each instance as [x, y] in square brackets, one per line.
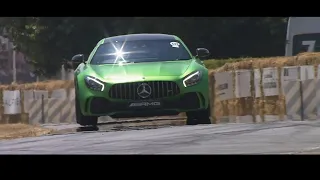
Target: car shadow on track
[103, 128]
[132, 125]
[87, 128]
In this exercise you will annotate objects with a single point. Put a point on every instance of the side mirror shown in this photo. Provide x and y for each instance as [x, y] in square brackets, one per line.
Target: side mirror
[79, 58]
[202, 52]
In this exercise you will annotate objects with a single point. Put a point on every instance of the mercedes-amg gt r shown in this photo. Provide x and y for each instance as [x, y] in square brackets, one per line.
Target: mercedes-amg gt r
[141, 75]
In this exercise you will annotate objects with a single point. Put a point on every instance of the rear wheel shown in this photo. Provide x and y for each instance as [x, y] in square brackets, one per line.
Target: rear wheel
[84, 120]
[198, 117]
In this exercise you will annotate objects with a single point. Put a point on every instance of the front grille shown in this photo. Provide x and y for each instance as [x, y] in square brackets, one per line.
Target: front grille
[159, 89]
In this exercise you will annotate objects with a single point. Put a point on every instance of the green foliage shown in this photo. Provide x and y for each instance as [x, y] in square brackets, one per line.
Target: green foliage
[48, 41]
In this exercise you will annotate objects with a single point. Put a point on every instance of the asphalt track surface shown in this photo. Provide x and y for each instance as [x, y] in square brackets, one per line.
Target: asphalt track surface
[286, 137]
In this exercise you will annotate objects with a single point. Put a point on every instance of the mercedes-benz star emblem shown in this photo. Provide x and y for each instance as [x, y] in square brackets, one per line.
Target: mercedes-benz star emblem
[144, 90]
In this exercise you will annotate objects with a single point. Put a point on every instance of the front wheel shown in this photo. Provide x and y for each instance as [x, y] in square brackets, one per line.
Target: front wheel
[198, 117]
[84, 120]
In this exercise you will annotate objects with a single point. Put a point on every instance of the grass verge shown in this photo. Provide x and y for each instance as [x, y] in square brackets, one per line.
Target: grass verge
[14, 131]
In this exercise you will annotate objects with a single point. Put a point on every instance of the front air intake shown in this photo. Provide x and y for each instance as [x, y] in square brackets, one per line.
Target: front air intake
[132, 91]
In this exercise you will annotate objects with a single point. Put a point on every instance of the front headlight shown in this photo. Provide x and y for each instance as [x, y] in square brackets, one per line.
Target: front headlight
[94, 83]
[192, 79]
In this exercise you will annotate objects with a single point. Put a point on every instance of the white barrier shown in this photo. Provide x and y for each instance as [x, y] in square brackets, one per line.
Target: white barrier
[300, 88]
[59, 94]
[318, 92]
[242, 83]
[11, 102]
[270, 87]
[291, 90]
[300, 93]
[224, 91]
[270, 83]
[57, 107]
[224, 85]
[243, 89]
[308, 85]
[37, 94]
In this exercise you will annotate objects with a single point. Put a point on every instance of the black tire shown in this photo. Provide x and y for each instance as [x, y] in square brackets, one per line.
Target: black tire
[191, 118]
[198, 117]
[84, 120]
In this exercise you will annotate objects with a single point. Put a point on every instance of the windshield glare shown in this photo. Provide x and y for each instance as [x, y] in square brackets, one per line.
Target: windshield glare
[140, 51]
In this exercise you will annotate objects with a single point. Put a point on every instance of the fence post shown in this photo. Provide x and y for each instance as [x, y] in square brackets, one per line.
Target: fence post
[301, 95]
[212, 96]
[1, 107]
[42, 109]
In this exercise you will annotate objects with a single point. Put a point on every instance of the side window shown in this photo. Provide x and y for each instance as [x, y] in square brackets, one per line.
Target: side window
[94, 50]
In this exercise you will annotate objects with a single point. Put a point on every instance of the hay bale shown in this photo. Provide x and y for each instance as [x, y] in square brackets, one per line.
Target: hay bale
[43, 85]
[272, 105]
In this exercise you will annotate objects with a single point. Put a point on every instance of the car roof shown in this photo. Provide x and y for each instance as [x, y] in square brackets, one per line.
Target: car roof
[135, 37]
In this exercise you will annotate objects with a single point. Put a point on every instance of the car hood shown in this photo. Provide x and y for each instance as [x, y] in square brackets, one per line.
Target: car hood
[167, 68]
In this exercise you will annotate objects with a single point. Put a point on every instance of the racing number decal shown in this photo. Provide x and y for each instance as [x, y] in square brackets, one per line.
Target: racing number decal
[306, 43]
[310, 45]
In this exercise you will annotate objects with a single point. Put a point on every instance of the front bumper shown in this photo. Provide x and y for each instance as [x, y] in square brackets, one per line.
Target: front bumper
[93, 103]
[167, 106]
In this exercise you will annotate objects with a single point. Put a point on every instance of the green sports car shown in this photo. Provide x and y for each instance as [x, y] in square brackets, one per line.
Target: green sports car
[141, 75]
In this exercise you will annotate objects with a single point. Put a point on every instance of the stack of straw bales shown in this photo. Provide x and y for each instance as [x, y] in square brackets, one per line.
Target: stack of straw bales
[271, 105]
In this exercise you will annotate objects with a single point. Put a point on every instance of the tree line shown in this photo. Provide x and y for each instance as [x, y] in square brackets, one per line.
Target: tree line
[50, 41]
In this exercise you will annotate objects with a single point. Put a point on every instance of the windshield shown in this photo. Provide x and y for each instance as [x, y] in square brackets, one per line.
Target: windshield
[140, 51]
